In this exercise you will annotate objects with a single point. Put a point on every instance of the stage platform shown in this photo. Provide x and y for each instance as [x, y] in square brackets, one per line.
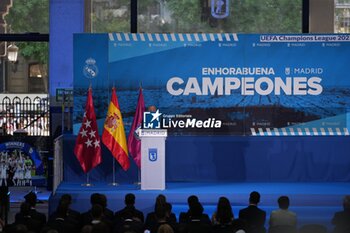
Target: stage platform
[313, 202]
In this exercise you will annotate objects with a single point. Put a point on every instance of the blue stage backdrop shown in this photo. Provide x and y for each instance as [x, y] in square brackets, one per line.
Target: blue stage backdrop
[220, 84]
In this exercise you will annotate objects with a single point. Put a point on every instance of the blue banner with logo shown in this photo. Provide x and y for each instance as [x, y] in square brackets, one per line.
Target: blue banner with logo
[219, 84]
[90, 70]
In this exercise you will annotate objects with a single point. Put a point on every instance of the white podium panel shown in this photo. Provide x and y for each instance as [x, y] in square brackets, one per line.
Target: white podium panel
[153, 159]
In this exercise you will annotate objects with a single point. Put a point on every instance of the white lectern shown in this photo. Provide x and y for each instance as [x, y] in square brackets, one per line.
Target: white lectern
[153, 159]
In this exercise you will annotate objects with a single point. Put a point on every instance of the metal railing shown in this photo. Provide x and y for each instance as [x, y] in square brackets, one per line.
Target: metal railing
[25, 113]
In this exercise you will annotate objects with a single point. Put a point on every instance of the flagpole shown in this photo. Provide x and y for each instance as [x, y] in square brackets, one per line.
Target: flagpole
[134, 145]
[139, 177]
[138, 182]
[139, 170]
[87, 184]
[114, 183]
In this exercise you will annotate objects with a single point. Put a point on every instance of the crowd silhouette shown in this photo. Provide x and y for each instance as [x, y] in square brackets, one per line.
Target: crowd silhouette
[100, 219]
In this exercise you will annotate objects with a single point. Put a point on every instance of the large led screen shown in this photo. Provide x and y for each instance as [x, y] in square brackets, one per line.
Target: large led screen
[219, 84]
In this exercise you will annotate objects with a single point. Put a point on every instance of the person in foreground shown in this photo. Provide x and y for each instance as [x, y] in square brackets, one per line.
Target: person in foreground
[283, 219]
[283, 216]
[253, 215]
[341, 219]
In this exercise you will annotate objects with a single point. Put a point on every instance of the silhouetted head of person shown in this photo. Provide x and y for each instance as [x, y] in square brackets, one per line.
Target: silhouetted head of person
[254, 198]
[283, 202]
[129, 199]
[191, 200]
[95, 198]
[346, 203]
[103, 201]
[152, 108]
[165, 228]
[160, 200]
[31, 199]
[224, 212]
[66, 198]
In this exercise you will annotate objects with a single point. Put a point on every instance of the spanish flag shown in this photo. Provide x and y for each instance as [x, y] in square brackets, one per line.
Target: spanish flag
[113, 135]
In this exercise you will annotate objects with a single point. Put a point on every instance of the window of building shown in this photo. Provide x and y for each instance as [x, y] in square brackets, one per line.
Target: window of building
[107, 15]
[342, 16]
[24, 102]
[267, 16]
[188, 16]
[37, 82]
[28, 18]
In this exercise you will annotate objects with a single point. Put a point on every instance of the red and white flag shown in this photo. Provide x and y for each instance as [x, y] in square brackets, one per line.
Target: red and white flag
[87, 146]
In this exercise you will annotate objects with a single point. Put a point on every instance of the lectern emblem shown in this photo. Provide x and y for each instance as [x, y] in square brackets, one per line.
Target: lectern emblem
[152, 154]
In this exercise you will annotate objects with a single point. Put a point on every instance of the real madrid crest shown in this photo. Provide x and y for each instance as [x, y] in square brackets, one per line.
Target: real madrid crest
[90, 69]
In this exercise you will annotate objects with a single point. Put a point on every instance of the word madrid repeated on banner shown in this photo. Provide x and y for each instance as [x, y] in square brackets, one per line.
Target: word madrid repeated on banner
[221, 84]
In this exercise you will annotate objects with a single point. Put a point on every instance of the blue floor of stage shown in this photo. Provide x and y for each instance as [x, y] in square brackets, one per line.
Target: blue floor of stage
[313, 202]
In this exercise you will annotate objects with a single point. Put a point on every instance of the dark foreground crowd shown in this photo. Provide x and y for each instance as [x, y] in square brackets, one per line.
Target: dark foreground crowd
[100, 219]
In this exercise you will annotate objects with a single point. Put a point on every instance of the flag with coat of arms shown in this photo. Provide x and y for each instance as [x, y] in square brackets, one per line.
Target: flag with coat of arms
[134, 142]
[113, 135]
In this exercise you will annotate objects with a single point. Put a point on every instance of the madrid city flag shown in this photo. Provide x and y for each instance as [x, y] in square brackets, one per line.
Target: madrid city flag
[87, 146]
[134, 142]
[113, 135]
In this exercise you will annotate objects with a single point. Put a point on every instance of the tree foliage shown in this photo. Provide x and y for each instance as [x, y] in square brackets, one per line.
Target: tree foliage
[109, 22]
[28, 17]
